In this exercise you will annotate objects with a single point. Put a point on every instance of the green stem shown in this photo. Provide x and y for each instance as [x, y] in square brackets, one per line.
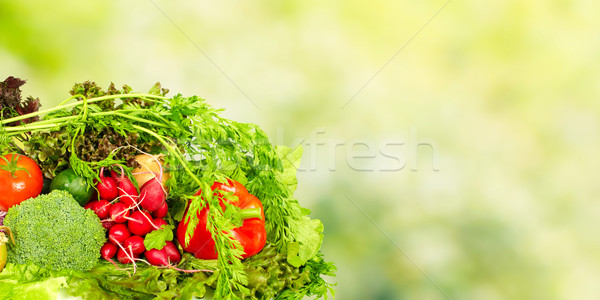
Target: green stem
[71, 98]
[91, 100]
[44, 124]
[26, 128]
[249, 213]
[54, 120]
[156, 115]
[139, 119]
[12, 166]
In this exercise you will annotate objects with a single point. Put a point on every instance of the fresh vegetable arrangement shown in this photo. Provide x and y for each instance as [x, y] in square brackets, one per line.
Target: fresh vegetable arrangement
[146, 196]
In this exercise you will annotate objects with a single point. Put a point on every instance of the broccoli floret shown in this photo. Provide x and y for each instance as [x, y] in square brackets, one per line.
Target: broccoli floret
[55, 232]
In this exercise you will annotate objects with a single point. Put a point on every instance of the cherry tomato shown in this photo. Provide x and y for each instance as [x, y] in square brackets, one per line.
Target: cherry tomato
[20, 179]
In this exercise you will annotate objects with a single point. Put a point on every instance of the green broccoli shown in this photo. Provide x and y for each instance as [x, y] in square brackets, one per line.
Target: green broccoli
[55, 232]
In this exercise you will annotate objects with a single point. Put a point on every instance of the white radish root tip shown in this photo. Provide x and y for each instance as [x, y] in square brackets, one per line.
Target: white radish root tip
[130, 256]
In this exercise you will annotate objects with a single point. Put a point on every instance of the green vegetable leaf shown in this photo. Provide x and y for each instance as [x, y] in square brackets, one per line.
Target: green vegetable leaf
[308, 233]
[29, 282]
[290, 159]
[157, 239]
[158, 90]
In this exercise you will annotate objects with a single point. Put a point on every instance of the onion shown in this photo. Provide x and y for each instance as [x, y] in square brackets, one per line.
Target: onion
[148, 169]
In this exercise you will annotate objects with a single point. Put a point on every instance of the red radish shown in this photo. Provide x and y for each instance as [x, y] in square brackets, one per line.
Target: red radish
[158, 223]
[125, 258]
[128, 194]
[107, 187]
[162, 211]
[102, 208]
[173, 254]
[91, 205]
[119, 212]
[107, 224]
[167, 256]
[135, 244]
[157, 257]
[140, 222]
[109, 250]
[152, 195]
[118, 233]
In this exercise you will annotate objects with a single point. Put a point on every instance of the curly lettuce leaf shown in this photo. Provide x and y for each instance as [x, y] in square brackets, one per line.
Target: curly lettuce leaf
[308, 233]
[11, 104]
[29, 282]
[106, 282]
[290, 159]
[309, 236]
[270, 276]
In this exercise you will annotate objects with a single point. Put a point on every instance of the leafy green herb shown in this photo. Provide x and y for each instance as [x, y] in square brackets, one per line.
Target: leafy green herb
[157, 239]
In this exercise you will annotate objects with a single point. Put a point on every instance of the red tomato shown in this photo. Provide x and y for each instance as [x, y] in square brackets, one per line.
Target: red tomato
[20, 179]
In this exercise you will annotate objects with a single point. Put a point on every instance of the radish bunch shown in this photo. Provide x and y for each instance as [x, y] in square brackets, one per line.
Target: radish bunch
[129, 216]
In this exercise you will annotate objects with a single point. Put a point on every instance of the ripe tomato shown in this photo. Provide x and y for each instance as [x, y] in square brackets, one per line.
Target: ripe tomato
[20, 179]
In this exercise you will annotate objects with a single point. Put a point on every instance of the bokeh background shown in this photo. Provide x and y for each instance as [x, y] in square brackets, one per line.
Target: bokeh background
[451, 148]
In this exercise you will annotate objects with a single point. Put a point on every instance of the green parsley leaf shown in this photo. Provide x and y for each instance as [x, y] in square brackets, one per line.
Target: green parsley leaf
[157, 239]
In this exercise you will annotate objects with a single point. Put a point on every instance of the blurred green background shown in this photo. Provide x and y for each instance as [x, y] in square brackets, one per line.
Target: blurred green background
[450, 153]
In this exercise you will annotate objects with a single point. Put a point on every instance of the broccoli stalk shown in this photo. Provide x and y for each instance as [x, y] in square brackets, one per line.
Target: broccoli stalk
[55, 232]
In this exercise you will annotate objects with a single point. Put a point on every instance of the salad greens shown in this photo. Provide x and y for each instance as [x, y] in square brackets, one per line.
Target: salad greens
[96, 128]
[270, 276]
[12, 104]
